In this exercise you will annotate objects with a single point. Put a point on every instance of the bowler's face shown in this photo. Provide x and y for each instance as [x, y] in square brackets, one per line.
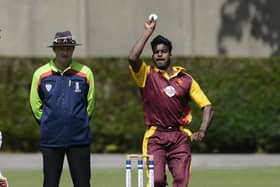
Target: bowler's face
[161, 56]
[64, 54]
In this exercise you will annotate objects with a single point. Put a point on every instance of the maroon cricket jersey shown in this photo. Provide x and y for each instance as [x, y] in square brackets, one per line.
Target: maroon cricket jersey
[165, 97]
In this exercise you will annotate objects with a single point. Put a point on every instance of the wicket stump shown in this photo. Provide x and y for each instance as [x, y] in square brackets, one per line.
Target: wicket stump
[140, 158]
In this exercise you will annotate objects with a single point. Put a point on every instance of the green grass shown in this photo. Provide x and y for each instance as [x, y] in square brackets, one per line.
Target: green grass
[257, 177]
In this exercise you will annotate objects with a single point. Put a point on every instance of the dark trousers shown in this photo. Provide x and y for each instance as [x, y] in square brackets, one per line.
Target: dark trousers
[78, 158]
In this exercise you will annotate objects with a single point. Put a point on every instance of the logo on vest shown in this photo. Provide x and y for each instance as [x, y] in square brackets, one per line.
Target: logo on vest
[77, 87]
[48, 87]
[169, 91]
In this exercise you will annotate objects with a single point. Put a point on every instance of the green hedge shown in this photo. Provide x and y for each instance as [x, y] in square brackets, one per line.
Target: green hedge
[244, 93]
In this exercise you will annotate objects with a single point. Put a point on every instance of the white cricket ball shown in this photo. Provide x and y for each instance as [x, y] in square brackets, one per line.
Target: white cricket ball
[153, 16]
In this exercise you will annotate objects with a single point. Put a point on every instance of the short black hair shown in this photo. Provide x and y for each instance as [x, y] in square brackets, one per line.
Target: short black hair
[159, 39]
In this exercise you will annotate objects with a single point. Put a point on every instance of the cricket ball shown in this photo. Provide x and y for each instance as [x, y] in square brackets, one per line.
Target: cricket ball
[153, 16]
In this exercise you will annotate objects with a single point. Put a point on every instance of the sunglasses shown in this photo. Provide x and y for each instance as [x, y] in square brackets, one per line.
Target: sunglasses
[64, 40]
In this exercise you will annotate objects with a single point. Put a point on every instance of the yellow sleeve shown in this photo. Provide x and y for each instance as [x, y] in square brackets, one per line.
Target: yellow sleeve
[198, 96]
[140, 77]
[91, 93]
[35, 101]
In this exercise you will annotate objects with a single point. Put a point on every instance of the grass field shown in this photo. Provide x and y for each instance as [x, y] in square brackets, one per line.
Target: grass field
[257, 177]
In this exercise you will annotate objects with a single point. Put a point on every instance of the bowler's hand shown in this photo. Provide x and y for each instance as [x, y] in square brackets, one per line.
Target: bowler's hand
[198, 136]
[150, 25]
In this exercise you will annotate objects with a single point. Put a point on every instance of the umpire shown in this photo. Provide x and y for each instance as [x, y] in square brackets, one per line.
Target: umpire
[62, 102]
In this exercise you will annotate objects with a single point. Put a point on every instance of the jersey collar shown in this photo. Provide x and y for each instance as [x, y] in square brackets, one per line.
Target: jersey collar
[176, 69]
[57, 70]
